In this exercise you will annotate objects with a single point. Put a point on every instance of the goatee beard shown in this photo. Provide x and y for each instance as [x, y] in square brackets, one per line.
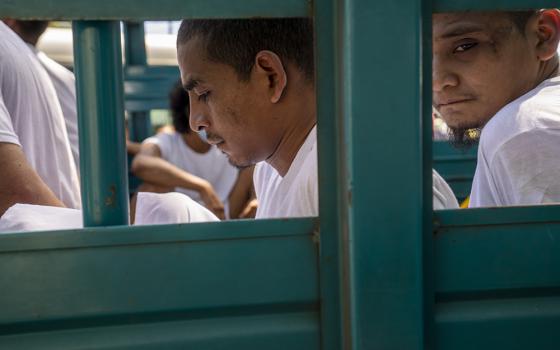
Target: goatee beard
[464, 138]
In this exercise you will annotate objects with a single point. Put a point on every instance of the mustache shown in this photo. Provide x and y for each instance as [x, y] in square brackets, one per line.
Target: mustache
[214, 138]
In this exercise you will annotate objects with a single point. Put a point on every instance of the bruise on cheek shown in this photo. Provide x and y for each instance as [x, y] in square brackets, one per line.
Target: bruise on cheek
[499, 36]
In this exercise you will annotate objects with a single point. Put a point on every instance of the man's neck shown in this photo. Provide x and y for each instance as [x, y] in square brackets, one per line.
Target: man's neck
[294, 135]
[550, 69]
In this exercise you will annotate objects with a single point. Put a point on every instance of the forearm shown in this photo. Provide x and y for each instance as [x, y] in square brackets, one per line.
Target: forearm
[162, 173]
[133, 147]
[20, 183]
[41, 196]
[241, 193]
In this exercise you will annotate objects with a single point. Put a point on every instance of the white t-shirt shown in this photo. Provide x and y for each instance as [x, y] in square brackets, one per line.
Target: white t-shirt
[31, 117]
[169, 208]
[443, 196]
[294, 195]
[213, 166]
[65, 86]
[519, 151]
[151, 209]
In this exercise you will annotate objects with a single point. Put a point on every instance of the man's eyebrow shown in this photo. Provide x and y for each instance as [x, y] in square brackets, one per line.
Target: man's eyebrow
[191, 84]
[459, 29]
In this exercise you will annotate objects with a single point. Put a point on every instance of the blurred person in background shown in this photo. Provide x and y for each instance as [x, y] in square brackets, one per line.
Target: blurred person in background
[62, 79]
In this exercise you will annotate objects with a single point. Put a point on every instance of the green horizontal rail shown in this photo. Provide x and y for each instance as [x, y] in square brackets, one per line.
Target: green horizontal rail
[178, 9]
[152, 10]
[461, 5]
[272, 332]
[513, 324]
[196, 232]
[174, 278]
[482, 261]
[496, 216]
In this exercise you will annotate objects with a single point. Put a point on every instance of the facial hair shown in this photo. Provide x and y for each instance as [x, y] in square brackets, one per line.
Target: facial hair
[464, 138]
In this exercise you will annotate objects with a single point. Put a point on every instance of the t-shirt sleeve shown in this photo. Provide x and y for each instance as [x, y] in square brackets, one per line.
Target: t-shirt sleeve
[484, 190]
[528, 168]
[443, 196]
[163, 141]
[312, 189]
[7, 133]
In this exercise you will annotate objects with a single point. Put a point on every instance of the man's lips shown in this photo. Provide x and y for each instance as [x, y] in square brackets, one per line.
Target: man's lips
[215, 142]
[214, 139]
[451, 102]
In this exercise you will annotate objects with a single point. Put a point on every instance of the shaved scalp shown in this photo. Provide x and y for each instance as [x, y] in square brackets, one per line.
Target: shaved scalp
[520, 19]
[236, 42]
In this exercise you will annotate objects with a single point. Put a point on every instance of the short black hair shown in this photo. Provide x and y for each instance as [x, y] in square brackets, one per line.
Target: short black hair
[237, 41]
[520, 19]
[179, 105]
[32, 30]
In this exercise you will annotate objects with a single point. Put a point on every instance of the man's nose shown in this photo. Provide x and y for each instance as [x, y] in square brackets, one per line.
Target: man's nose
[442, 76]
[197, 117]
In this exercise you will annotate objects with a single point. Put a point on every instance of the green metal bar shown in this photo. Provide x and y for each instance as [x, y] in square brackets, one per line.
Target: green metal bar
[333, 188]
[139, 125]
[482, 5]
[174, 278]
[513, 324]
[388, 209]
[152, 10]
[197, 232]
[426, 129]
[497, 216]
[270, 331]
[509, 259]
[98, 67]
[134, 43]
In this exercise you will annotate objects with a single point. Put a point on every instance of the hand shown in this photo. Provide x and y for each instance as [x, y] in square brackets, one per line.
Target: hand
[250, 210]
[212, 201]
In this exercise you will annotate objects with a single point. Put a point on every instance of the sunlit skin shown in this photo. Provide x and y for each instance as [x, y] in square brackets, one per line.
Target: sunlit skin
[481, 62]
[266, 117]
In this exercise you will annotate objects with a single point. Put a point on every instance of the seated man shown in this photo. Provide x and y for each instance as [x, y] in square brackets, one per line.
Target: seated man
[181, 161]
[37, 166]
[251, 87]
[62, 79]
[499, 72]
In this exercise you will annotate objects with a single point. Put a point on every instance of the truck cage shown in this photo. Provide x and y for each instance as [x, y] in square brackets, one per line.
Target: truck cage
[378, 269]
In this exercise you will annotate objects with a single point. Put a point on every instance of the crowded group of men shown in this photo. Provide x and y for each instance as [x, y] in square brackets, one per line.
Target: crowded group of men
[251, 94]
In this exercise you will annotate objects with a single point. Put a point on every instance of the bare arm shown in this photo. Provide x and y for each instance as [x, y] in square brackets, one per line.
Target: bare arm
[20, 183]
[242, 195]
[150, 167]
[132, 148]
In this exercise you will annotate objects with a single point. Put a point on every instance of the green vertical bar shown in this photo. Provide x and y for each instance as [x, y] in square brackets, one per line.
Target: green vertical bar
[134, 43]
[333, 187]
[139, 125]
[97, 60]
[387, 213]
[426, 130]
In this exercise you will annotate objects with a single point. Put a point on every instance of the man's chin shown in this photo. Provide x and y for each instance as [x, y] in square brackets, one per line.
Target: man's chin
[239, 164]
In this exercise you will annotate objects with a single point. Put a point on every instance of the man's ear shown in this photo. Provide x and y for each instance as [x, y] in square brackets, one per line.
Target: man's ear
[270, 66]
[548, 33]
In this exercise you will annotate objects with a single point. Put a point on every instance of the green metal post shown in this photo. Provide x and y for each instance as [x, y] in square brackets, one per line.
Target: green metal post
[98, 67]
[334, 199]
[139, 125]
[387, 172]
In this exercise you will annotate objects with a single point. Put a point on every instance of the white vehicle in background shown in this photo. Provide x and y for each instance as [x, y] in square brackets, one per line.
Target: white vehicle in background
[160, 43]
